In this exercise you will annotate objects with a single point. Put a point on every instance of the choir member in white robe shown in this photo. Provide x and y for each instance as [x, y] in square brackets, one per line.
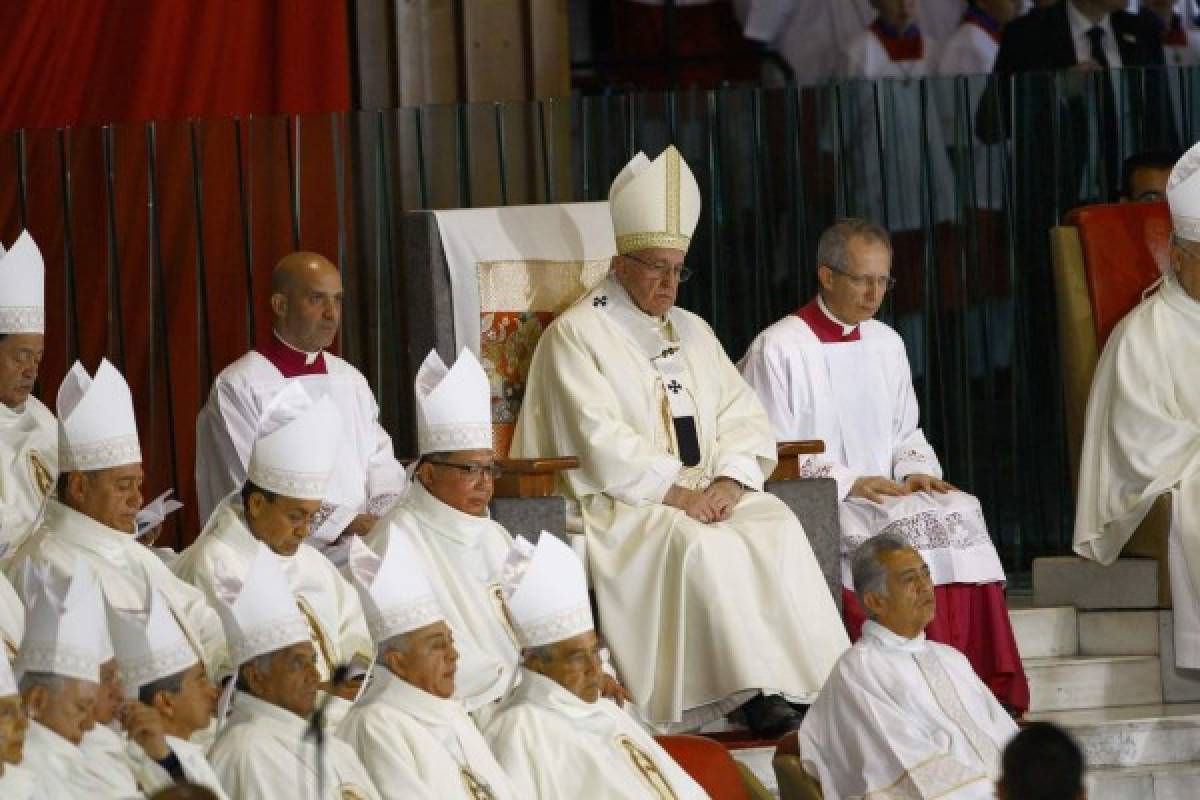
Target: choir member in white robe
[902, 716]
[306, 308]
[556, 736]
[168, 693]
[688, 555]
[16, 781]
[99, 494]
[28, 431]
[833, 372]
[414, 738]
[1142, 432]
[265, 748]
[289, 470]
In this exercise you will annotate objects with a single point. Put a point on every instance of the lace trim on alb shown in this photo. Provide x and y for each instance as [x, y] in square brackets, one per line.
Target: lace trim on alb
[929, 530]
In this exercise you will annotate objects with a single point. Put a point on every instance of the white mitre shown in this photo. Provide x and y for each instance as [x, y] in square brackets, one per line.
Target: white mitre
[654, 203]
[65, 629]
[550, 602]
[259, 612]
[1183, 195]
[454, 406]
[149, 644]
[396, 594]
[97, 428]
[297, 446]
[22, 292]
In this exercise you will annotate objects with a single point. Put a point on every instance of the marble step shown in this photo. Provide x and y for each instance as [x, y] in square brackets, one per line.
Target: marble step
[1072, 581]
[1171, 782]
[1139, 742]
[1071, 682]
[1119, 633]
[1045, 632]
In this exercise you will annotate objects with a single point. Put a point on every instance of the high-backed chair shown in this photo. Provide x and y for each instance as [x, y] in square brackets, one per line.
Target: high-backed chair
[492, 279]
[710, 765]
[794, 781]
[1105, 258]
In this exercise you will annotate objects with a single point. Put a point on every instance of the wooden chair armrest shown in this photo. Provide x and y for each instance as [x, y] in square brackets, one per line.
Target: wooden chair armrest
[531, 477]
[787, 468]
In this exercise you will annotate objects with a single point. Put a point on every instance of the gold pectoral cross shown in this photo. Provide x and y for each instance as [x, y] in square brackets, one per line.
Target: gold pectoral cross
[324, 649]
[645, 765]
[501, 608]
[476, 788]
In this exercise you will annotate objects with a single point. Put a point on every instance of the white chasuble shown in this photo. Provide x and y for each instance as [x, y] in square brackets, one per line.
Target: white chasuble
[1142, 439]
[464, 556]
[192, 759]
[57, 764]
[20, 783]
[107, 760]
[857, 397]
[672, 591]
[124, 569]
[904, 718]
[12, 619]
[28, 470]
[415, 745]
[265, 752]
[554, 745]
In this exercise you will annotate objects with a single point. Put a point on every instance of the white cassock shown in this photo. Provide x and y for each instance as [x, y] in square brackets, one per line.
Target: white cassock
[12, 618]
[226, 548]
[20, 783]
[28, 470]
[124, 569]
[55, 762]
[1142, 439]
[265, 752]
[971, 51]
[152, 777]
[672, 591]
[464, 556]
[367, 477]
[858, 398]
[106, 759]
[554, 745]
[904, 718]
[417, 746]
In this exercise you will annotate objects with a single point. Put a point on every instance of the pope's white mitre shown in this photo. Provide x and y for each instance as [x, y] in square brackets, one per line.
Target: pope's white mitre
[259, 613]
[550, 602]
[297, 445]
[454, 406]
[22, 292]
[65, 629]
[1183, 195]
[149, 644]
[395, 591]
[97, 428]
[654, 203]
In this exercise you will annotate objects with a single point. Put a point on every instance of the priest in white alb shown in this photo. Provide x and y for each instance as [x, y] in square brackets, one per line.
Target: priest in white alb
[831, 371]
[902, 716]
[555, 735]
[306, 310]
[416, 741]
[17, 782]
[267, 746]
[290, 467]
[1142, 434]
[688, 556]
[91, 517]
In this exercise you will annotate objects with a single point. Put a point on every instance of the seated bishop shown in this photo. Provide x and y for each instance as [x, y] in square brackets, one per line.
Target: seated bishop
[1142, 432]
[17, 782]
[688, 555]
[446, 513]
[92, 515]
[306, 311]
[266, 748]
[555, 735]
[902, 716]
[105, 746]
[415, 739]
[289, 470]
[833, 372]
[168, 693]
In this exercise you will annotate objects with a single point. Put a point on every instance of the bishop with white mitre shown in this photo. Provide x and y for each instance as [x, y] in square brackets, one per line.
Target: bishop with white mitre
[266, 747]
[555, 735]
[688, 556]
[306, 310]
[92, 517]
[415, 739]
[1142, 434]
[17, 782]
[446, 514]
[290, 466]
[831, 371]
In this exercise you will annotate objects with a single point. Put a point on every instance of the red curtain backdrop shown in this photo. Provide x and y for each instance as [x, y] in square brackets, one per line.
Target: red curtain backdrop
[162, 290]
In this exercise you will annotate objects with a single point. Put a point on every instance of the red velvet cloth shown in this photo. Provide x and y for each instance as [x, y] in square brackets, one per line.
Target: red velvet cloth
[289, 361]
[826, 330]
[1173, 35]
[908, 45]
[972, 618]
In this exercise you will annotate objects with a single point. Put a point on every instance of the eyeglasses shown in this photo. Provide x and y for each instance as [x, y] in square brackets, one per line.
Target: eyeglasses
[473, 471]
[660, 269]
[884, 282]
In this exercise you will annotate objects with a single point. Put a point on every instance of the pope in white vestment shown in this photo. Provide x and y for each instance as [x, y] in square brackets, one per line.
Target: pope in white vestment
[688, 556]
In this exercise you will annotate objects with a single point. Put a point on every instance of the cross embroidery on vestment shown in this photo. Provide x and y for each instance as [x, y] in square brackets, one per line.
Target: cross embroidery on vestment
[675, 386]
[602, 300]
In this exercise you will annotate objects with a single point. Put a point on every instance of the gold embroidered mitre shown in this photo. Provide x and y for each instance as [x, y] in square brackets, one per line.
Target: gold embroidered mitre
[654, 203]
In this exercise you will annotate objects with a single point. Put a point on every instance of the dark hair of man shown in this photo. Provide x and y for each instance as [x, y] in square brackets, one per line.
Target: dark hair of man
[172, 684]
[60, 487]
[1042, 763]
[249, 488]
[1146, 159]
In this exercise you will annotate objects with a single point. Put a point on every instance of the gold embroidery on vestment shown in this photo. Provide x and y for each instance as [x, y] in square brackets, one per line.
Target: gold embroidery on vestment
[649, 771]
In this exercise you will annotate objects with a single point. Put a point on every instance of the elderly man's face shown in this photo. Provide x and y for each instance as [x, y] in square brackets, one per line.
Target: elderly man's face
[13, 724]
[291, 681]
[308, 310]
[462, 479]
[908, 604]
[110, 496]
[1185, 262]
[191, 708]
[652, 277]
[110, 695]
[20, 359]
[68, 711]
[856, 293]
[281, 524]
[573, 664]
[428, 660]
[899, 14]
